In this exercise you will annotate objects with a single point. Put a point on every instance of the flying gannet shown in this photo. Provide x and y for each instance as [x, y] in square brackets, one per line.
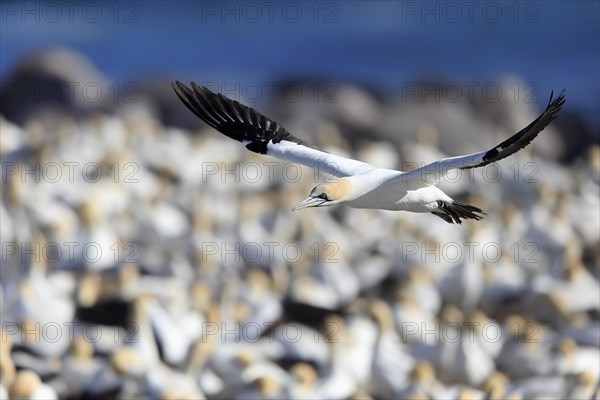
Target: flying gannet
[359, 185]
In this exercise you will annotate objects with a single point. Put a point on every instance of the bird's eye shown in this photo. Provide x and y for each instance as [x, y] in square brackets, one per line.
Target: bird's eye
[323, 196]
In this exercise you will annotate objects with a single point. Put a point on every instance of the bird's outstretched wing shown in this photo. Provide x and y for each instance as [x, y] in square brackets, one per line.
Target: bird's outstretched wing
[261, 134]
[433, 172]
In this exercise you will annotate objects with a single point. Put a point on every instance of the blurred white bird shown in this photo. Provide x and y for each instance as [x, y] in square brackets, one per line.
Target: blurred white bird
[461, 357]
[304, 382]
[526, 350]
[39, 302]
[175, 332]
[574, 359]
[391, 361]
[28, 385]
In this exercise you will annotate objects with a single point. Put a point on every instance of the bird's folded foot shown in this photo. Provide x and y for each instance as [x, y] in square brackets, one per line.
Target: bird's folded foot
[452, 212]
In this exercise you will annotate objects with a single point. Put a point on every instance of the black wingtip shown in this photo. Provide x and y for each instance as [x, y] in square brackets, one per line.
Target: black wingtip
[175, 86]
[559, 101]
[178, 86]
[178, 89]
[555, 105]
[525, 135]
[187, 98]
[231, 118]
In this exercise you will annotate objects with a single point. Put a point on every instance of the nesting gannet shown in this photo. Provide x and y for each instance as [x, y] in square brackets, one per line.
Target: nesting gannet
[359, 185]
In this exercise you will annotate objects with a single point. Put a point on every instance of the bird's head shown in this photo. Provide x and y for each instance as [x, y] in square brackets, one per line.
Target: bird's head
[327, 194]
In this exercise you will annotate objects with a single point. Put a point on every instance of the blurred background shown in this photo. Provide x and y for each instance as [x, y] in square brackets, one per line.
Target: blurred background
[146, 255]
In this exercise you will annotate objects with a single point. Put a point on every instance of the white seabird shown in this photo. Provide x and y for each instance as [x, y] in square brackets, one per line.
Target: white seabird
[359, 185]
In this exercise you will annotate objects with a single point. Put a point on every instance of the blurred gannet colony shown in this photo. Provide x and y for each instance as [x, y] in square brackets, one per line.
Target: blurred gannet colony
[142, 260]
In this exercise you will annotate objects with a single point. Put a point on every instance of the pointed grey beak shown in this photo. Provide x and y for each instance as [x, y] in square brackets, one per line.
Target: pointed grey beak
[309, 202]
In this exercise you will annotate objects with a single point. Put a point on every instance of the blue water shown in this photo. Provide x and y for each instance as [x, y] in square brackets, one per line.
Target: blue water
[552, 44]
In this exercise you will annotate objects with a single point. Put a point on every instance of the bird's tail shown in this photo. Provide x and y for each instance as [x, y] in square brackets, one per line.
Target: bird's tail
[452, 212]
